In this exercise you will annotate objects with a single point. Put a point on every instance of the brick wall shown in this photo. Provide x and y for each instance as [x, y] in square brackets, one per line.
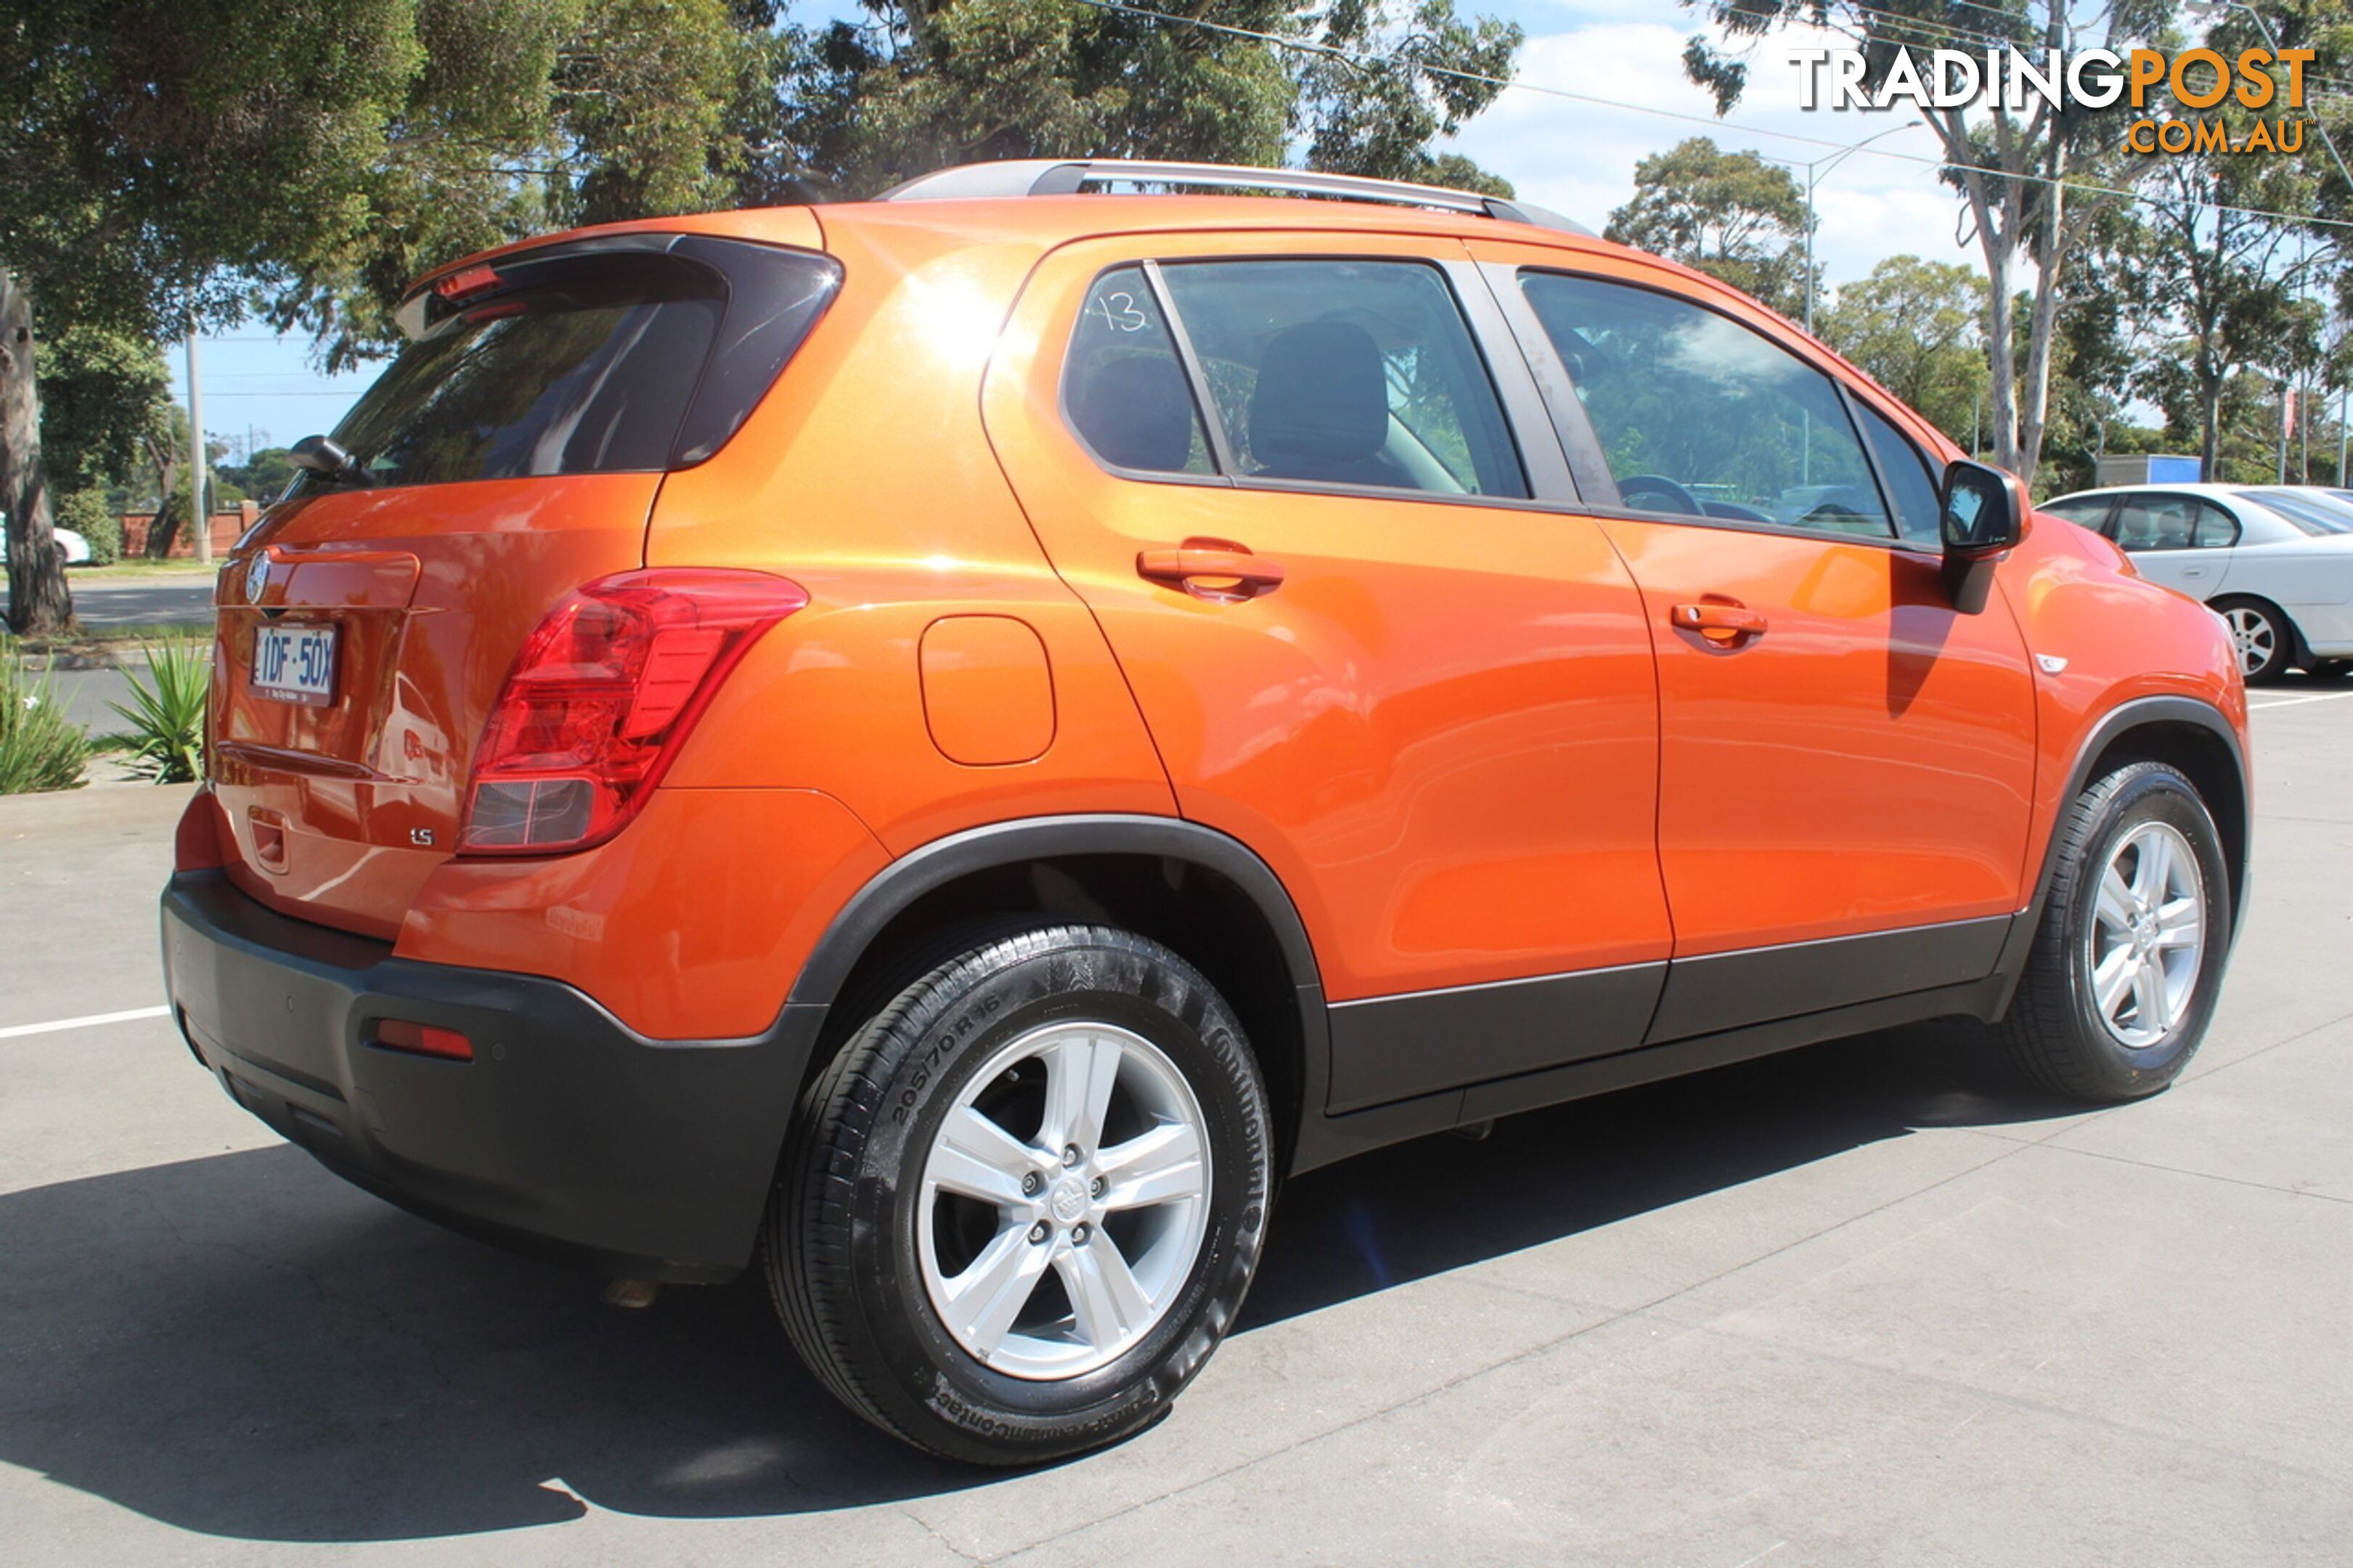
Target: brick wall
[228, 528]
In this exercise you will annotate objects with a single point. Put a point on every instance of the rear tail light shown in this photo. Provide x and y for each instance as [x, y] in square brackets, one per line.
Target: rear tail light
[601, 695]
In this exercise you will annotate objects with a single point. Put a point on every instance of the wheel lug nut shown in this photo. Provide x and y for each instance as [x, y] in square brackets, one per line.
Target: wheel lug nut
[1031, 1184]
[1070, 1155]
[1099, 1187]
[1079, 1234]
[1041, 1231]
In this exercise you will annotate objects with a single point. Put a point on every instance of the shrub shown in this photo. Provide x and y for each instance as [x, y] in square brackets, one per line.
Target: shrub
[167, 711]
[40, 748]
[87, 514]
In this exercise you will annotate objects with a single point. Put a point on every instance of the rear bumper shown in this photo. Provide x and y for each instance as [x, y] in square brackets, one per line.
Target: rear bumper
[567, 1132]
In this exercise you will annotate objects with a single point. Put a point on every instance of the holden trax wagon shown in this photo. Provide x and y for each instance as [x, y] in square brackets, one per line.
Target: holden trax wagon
[939, 748]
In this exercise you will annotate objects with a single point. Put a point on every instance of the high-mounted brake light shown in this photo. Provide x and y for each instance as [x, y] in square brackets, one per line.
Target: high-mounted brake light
[467, 282]
[600, 698]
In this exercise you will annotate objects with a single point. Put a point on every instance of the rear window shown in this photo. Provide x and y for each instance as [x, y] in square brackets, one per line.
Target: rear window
[2316, 515]
[583, 360]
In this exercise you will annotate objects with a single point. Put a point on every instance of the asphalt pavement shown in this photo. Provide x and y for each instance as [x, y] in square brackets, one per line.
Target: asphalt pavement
[1869, 1303]
[176, 600]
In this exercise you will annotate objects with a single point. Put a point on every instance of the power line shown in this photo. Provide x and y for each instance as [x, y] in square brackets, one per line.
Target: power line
[1366, 57]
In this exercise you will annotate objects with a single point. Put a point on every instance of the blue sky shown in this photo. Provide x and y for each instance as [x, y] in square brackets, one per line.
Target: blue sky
[1575, 157]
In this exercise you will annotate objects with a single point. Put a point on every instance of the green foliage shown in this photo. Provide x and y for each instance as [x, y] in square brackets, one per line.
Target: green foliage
[1919, 329]
[521, 116]
[156, 149]
[263, 477]
[167, 711]
[1390, 79]
[859, 106]
[86, 512]
[40, 748]
[1731, 215]
[100, 388]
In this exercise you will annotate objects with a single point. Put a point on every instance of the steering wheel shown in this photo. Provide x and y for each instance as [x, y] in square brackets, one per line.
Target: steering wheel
[1677, 497]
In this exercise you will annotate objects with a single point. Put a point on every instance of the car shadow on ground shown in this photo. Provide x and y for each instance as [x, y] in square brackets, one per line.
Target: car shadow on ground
[244, 1346]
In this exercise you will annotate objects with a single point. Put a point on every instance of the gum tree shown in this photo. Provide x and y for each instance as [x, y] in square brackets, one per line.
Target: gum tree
[153, 147]
[2011, 167]
[1733, 216]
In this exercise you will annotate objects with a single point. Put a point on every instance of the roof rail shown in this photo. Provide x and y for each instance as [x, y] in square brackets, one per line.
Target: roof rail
[1067, 176]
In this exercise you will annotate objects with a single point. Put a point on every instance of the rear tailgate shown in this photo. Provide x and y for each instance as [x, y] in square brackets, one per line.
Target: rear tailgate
[510, 454]
[339, 810]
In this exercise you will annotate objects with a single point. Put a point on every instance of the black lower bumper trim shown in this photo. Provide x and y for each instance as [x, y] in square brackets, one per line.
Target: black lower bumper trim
[567, 1132]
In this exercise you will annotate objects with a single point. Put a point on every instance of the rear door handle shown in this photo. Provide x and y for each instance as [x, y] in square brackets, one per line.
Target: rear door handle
[1216, 570]
[1723, 625]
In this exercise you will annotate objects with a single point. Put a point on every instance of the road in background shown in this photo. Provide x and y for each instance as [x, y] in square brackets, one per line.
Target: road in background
[1870, 1302]
[175, 600]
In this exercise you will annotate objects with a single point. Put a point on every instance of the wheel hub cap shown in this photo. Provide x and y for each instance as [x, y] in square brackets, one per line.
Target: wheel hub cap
[2251, 634]
[1063, 1201]
[2147, 936]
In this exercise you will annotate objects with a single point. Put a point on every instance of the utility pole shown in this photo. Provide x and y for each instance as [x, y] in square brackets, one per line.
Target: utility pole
[2287, 422]
[197, 514]
[2344, 396]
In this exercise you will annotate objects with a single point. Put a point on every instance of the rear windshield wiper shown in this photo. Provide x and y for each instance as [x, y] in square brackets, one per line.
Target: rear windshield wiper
[322, 456]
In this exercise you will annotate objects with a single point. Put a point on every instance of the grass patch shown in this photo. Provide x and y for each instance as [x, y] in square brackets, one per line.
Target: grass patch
[130, 571]
[83, 638]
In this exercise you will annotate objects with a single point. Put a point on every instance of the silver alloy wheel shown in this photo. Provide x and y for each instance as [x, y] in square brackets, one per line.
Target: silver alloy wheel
[1118, 1224]
[2253, 635]
[2148, 934]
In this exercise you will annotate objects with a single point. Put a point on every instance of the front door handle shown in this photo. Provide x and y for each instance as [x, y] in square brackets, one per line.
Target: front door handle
[1725, 625]
[1216, 570]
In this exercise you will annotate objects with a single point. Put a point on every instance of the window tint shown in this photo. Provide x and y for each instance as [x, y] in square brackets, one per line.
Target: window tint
[2155, 522]
[2088, 510]
[1354, 372]
[2214, 530]
[586, 361]
[1698, 415]
[1124, 387]
[1910, 480]
[2316, 515]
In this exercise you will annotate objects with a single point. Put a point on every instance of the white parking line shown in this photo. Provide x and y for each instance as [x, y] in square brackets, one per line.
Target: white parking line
[2295, 701]
[15, 1030]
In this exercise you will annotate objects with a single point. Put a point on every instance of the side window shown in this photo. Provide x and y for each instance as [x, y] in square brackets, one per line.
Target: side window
[1123, 388]
[2089, 511]
[1351, 373]
[1699, 416]
[2155, 523]
[1911, 483]
[2215, 528]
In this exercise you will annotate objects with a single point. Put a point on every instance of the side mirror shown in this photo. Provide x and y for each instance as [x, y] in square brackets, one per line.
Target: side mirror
[1981, 515]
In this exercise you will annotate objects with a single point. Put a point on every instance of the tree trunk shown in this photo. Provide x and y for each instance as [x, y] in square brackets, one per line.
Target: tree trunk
[38, 603]
[165, 526]
[2001, 354]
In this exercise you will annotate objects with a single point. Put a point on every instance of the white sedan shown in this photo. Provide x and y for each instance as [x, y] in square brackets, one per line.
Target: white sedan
[2274, 561]
[76, 547]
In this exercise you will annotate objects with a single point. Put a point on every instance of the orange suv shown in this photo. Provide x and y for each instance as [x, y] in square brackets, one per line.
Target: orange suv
[940, 747]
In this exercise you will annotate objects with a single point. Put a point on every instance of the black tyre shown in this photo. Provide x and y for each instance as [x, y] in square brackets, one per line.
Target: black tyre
[1023, 1204]
[2128, 959]
[2263, 640]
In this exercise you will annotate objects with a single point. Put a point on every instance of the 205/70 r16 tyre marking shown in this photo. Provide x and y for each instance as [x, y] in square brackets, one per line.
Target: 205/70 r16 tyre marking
[1118, 1224]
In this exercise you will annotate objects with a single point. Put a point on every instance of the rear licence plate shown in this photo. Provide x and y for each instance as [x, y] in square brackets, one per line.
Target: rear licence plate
[295, 664]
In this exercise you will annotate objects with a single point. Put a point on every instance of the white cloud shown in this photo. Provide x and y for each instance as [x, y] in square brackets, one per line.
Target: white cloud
[1578, 157]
